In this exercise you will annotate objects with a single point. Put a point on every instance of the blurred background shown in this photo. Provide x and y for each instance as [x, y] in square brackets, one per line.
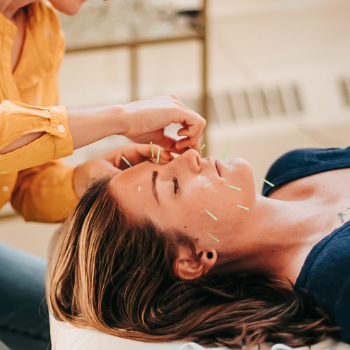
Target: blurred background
[269, 76]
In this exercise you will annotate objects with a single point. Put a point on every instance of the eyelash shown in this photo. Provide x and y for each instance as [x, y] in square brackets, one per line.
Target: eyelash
[176, 184]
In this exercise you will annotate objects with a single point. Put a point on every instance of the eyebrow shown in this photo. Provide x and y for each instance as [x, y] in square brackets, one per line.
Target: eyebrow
[154, 179]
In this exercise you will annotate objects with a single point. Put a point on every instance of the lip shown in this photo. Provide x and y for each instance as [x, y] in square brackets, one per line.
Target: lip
[213, 164]
[217, 166]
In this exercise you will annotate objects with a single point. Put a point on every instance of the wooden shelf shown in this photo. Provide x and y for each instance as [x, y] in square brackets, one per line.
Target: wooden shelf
[133, 45]
[139, 42]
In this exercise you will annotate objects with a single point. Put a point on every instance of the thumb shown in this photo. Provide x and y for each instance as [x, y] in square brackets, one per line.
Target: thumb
[168, 143]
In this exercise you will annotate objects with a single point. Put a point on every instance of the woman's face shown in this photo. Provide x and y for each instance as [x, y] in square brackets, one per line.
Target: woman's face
[68, 7]
[185, 211]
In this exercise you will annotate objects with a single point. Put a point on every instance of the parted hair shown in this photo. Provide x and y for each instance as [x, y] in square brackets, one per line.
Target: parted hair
[116, 276]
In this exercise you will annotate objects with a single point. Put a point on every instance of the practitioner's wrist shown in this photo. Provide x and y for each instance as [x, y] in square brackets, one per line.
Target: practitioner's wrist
[118, 120]
[89, 125]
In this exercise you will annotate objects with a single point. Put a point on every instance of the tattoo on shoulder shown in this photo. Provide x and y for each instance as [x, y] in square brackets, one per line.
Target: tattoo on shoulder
[341, 215]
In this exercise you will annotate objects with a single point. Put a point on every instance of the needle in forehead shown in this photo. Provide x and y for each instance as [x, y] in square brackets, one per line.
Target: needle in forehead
[154, 179]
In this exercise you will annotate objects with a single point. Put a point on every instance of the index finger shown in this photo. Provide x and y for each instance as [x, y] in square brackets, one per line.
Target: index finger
[194, 124]
[186, 116]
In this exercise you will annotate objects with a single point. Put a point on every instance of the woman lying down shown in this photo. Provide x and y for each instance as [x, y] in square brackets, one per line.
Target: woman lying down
[187, 250]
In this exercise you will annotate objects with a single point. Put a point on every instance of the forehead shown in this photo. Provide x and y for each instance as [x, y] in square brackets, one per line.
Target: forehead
[132, 187]
[131, 176]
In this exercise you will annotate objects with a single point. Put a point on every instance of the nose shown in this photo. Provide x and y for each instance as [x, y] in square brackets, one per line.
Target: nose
[189, 159]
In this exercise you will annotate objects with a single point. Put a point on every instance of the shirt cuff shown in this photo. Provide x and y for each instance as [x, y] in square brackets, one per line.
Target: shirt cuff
[19, 119]
[59, 127]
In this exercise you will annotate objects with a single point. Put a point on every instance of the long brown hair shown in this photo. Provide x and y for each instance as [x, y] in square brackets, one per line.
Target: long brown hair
[110, 274]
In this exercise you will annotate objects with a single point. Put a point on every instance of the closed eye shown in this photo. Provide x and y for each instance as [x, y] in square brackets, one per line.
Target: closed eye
[176, 184]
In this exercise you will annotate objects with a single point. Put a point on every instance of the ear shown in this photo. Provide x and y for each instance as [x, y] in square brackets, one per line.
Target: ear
[186, 267]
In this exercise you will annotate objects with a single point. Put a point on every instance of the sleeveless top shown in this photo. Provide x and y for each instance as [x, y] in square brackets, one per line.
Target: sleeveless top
[326, 270]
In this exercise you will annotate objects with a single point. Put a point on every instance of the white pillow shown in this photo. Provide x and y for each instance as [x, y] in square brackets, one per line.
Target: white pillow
[66, 337]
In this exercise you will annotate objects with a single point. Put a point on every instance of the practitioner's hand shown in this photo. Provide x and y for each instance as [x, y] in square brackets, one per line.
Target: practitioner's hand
[112, 163]
[136, 154]
[146, 119]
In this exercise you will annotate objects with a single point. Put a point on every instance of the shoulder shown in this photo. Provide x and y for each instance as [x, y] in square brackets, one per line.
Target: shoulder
[342, 311]
[41, 15]
[326, 275]
[45, 28]
[329, 258]
[304, 162]
[41, 9]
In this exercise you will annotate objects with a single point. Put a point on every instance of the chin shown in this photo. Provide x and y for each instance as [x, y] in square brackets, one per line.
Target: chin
[243, 169]
[71, 11]
[242, 163]
[68, 7]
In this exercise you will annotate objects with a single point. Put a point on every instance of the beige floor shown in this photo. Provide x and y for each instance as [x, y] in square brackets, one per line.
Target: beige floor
[29, 236]
[251, 44]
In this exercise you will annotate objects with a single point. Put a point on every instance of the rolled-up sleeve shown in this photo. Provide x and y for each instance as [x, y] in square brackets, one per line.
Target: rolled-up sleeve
[45, 193]
[18, 119]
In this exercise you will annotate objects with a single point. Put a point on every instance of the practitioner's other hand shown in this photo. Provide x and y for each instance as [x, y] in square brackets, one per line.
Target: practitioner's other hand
[146, 119]
[112, 163]
[136, 154]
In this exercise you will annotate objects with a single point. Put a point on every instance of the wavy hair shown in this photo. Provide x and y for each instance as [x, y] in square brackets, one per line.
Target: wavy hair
[110, 274]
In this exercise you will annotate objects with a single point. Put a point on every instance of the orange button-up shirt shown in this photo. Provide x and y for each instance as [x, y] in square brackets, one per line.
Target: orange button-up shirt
[39, 187]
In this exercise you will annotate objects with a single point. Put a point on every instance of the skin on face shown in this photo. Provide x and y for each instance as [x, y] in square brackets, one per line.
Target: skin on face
[68, 7]
[185, 210]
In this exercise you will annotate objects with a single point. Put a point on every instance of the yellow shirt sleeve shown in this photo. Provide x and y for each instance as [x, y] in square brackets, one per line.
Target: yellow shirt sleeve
[39, 186]
[18, 119]
[45, 193]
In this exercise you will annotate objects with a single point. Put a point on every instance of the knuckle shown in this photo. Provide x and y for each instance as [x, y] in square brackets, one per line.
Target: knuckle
[175, 96]
[175, 105]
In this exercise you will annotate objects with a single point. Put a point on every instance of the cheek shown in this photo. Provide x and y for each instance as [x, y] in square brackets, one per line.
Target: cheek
[191, 214]
[216, 209]
[178, 215]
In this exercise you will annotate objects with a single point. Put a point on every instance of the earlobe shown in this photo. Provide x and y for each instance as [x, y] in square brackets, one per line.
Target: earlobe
[185, 270]
[187, 267]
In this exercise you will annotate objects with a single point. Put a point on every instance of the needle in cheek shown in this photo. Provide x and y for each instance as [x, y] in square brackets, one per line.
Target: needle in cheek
[211, 236]
[210, 214]
[236, 188]
[240, 206]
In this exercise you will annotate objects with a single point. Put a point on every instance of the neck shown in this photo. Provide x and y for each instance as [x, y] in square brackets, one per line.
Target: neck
[276, 233]
[9, 8]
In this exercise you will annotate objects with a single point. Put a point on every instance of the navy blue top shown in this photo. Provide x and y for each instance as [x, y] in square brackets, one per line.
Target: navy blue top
[326, 270]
